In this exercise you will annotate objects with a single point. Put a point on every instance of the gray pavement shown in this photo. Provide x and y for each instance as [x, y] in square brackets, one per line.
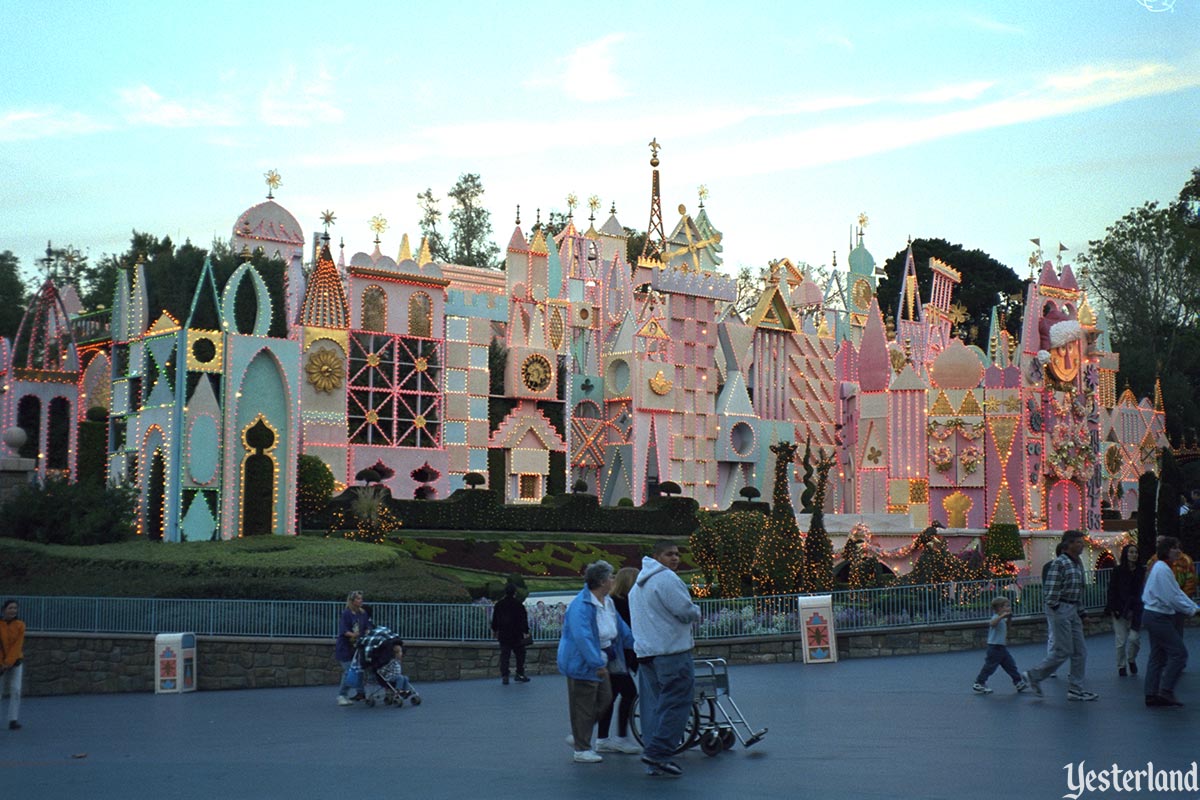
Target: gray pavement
[870, 728]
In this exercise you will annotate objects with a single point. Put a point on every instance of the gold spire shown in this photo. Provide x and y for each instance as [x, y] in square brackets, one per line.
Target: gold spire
[1158, 398]
[425, 257]
[405, 249]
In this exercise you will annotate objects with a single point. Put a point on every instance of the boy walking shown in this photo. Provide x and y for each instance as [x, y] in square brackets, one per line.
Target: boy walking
[997, 652]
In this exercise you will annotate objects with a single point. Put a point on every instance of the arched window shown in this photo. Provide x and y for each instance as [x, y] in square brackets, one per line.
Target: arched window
[420, 315]
[374, 309]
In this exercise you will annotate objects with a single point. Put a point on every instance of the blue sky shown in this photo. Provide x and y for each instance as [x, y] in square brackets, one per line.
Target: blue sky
[983, 123]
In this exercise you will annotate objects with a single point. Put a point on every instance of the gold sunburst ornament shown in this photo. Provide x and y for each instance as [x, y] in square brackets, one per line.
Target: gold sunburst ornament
[660, 384]
[324, 371]
[378, 224]
[274, 181]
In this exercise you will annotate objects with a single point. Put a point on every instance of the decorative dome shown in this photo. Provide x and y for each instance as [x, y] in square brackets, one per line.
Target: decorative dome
[807, 294]
[958, 367]
[270, 226]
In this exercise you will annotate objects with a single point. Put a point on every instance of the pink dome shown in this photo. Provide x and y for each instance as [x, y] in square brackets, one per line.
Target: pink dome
[958, 367]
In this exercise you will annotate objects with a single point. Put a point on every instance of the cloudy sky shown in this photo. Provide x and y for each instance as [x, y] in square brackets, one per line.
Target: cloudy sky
[983, 123]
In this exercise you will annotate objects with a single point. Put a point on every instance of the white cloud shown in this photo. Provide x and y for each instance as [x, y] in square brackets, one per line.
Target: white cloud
[952, 93]
[24, 124]
[588, 73]
[289, 103]
[144, 106]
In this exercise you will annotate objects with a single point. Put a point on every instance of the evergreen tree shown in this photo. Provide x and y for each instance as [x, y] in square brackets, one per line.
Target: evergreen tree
[471, 233]
[431, 216]
[818, 549]
[779, 560]
[14, 292]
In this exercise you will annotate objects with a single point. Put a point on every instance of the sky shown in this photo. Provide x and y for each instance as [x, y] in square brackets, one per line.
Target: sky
[986, 124]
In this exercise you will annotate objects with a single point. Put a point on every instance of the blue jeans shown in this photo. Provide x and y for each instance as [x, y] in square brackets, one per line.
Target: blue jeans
[1168, 654]
[998, 656]
[346, 688]
[665, 687]
[1066, 630]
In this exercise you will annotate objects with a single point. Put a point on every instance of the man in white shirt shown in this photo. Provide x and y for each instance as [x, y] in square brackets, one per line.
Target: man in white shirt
[1162, 599]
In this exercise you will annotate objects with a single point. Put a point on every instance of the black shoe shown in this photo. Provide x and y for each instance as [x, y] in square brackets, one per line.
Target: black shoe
[504, 679]
[1133, 668]
[521, 679]
[359, 696]
[13, 725]
[669, 768]
[1168, 699]
[1154, 701]
[1121, 671]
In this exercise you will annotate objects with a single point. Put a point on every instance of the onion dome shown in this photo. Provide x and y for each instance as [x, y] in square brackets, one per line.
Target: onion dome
[270, 226]
[957, 367]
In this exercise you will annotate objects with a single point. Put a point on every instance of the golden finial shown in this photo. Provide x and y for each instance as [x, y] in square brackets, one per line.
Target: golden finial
[703, 192]
[593, 204]
[863, 221]
[572, 201]
[654, 148]
[274, 181]
[327, 219]
[378, 224]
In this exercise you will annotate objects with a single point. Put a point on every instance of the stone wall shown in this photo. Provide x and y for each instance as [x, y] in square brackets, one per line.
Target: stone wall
[97, 663]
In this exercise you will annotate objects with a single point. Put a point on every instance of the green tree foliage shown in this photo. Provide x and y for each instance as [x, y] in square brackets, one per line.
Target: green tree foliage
[635, 240]
[90, 464]
[14, 292]
[935, 563]
[471, 225]
[986, 282]
[1146, 274]
[431, 217]
[58, 512]
[1146, 515]
[1003, 544]
[818, 549]
[779, 558]
[810, 486]
[723, 548]
[314, 487]
[1170, 488]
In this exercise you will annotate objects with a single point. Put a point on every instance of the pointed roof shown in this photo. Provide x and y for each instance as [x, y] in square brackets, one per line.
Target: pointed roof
[1048, 277]
[1067, 279]
[424, 257]
[874, 362]
[612, 227]
[772, 311]
[1158, 395]
[517, 243]
[325, 303]
[538, 245]
[908, 304]
[405, 251]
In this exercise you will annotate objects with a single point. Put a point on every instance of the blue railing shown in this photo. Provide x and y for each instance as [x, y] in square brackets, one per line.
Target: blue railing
[886, 608]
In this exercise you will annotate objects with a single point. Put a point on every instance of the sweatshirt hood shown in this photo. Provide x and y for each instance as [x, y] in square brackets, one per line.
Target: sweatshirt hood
[650, 568]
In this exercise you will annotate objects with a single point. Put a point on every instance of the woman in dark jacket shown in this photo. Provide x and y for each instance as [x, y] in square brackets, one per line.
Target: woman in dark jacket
[510, 623]
[624, 688]
[1125, 606]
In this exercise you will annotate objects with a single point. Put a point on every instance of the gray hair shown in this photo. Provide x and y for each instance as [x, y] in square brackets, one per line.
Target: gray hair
[597, 573]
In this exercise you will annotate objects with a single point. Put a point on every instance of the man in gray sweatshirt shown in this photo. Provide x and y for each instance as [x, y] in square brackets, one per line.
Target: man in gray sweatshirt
[662, 613]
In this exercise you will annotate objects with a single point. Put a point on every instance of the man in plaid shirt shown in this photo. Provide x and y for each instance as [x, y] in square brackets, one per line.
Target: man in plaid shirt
[1062, 593]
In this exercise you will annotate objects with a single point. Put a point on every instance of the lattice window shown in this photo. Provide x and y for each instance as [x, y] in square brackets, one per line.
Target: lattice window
[394, 391]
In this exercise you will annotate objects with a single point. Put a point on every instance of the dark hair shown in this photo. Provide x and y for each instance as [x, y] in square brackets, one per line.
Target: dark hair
[12, 601]
[662, 546]
[1163, 548]
[1070, 536]
[1058, 548]
[1125, 554]
[510, 589]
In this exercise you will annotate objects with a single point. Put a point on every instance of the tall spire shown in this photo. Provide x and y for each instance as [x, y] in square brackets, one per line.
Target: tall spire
[652, 247]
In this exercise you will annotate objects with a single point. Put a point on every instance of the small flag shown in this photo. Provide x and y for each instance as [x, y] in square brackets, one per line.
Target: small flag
[1037, 241]
[1062, 247]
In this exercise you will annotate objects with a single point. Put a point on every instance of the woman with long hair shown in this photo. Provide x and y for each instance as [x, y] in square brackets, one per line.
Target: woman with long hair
[624, 685]
[1125, 607]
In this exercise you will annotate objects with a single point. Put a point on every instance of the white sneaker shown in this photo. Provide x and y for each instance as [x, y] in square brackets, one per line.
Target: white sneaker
[344, 701]
[571, 740]
[624, 745]
[587, 757]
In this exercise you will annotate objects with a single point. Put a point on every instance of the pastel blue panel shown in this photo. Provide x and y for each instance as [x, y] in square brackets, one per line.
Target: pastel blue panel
[456, 329]
[456, 432]
[478, 408]
[479, 357]
[198, 523]
[203, 450]
[456, 380]
[477, 459]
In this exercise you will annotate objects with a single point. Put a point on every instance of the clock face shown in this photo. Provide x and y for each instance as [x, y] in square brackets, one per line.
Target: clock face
[536, 373]
[861, 293]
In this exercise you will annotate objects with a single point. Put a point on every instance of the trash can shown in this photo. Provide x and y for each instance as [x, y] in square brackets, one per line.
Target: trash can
[820, 639]
[174, 663]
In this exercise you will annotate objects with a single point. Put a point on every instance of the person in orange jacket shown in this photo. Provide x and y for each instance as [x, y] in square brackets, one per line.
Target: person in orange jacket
[12, 670]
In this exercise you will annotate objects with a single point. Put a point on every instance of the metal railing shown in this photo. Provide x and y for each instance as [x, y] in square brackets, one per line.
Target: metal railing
[887, 608]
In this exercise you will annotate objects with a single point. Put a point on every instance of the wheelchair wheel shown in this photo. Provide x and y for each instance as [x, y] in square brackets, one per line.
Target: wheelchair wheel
[710, 742]
[691, 731]
[728, 738]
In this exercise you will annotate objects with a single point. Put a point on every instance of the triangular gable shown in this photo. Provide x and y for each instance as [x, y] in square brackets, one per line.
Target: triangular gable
[1003, 512]
[942, 404]
[524, 421]
[1004, 430]
[908, 380]
[164, 324]
[734, 397]
[970, 406]
[653, 329]
[772, 312]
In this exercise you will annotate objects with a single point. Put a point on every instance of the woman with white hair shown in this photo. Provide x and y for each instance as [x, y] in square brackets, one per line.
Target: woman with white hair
[593, 638]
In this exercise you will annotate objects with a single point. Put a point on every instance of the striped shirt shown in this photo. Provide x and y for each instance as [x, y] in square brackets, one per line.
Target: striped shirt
[1064, 582]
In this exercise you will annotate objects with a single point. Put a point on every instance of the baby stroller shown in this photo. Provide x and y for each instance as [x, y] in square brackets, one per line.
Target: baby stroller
[383, 675]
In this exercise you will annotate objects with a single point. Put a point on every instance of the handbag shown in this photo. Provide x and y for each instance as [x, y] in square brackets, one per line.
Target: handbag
[527, 641]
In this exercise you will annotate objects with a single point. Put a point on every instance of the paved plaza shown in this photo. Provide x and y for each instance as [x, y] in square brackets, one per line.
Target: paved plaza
[867, 728]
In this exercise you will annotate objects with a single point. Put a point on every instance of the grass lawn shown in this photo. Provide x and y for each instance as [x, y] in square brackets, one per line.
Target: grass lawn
[275, 567]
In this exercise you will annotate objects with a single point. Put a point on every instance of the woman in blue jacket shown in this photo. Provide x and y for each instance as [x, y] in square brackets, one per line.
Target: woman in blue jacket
[593, 637]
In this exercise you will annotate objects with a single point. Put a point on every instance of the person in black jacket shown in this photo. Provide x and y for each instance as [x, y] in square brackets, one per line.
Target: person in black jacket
[510, 623]
[1125, 606]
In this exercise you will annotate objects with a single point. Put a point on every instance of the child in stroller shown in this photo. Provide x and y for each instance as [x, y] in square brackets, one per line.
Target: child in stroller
[379, 655]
